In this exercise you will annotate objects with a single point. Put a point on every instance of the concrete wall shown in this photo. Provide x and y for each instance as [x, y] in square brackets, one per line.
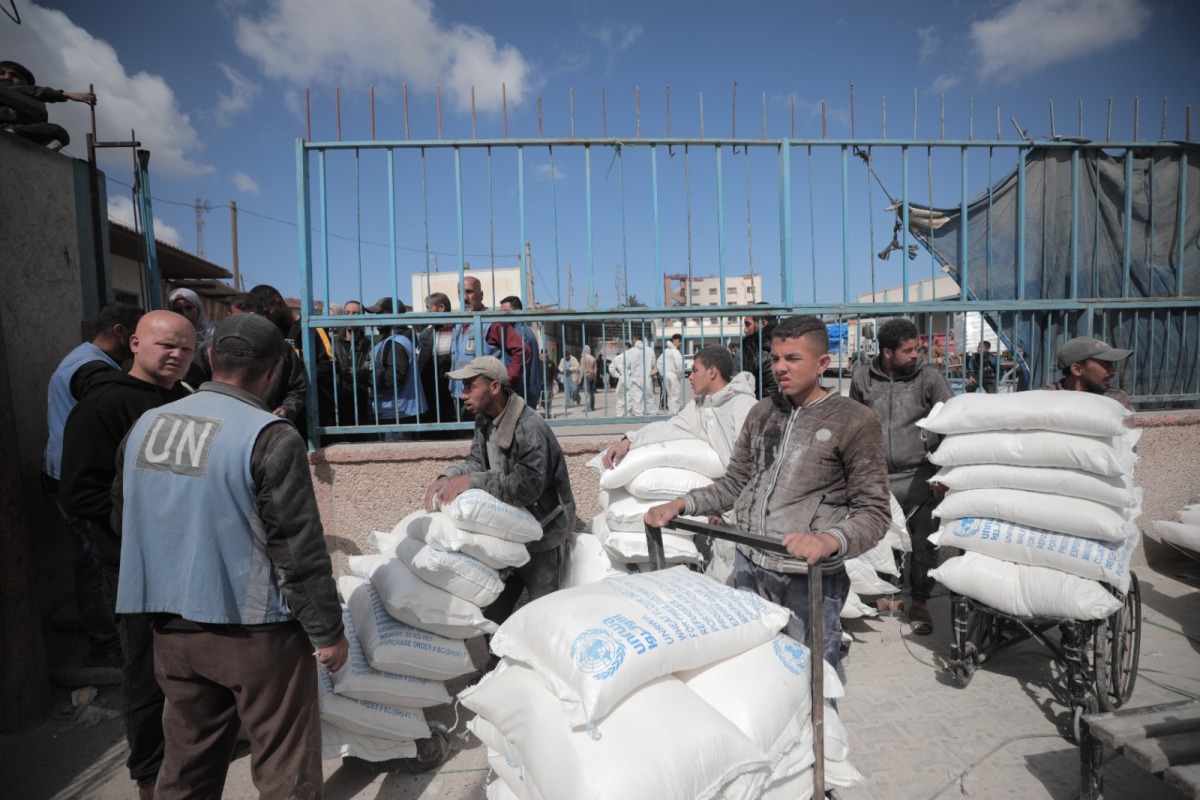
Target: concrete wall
[361, 488]
[367, 487]
[46, 264]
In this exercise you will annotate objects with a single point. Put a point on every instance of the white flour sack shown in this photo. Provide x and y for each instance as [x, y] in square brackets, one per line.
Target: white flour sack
[1087, 558]
[1065, 412]
[897, 536]
[457, 573]
[358, 680]
[438, 531]
[1179, 534]
[762, 691]
[366, 718]
[690, 454]
[337, 743]
[666, 483]
[1025, 591]
[410, 599]
[510, 782]
[588, 562]
[854, 607]
[392, 646]
[863, 579]
[477, 511]
[880, 558]
[661, 742]
[1035, 510]
[1111, 456]
[627, 513]
[595, 644]
[625, 547]
[1116, 491]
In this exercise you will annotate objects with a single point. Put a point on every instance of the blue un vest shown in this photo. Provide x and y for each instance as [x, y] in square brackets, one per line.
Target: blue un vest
[408, 400]
[60, 401]
[192, 542]
[462, 351]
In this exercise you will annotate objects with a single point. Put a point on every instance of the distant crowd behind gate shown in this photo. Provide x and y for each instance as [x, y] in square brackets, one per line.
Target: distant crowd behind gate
[1019, 243]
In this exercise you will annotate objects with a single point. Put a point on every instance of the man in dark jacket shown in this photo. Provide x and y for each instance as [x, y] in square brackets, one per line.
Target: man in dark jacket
[809, 470]
[162, 352]
[516, 458]
[901, 388]
[757, 333]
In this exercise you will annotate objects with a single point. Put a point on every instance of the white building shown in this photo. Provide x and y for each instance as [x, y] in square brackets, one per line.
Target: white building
[740, 290]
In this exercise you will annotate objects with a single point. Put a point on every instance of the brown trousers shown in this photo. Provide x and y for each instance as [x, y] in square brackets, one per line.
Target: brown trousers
[267, 681]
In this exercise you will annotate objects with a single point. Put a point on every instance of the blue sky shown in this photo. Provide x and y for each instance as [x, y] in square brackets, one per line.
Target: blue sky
[216, 91]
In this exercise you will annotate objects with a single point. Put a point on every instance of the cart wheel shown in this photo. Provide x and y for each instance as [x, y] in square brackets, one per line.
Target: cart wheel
[1117, 646]
[983, 630]
[1077, 712]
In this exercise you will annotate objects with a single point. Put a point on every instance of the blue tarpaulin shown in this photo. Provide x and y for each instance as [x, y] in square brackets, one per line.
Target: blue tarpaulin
[1163, 257]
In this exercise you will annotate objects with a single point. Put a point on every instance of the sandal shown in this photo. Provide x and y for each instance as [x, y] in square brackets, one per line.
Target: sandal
[919, 619]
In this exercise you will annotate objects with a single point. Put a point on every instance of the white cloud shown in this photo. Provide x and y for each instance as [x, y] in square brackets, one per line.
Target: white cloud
[66, 56]
[120, 208]
[1030, 35]
[240, 97]
[614, 38]
[375, 41]
[546, 172]
[244, 183]
[930, 42]
[944, 82]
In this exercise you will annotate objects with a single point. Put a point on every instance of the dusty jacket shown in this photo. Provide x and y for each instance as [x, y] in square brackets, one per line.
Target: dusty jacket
[533, 472]
[716, 419]
[900, 402]
[815, 469]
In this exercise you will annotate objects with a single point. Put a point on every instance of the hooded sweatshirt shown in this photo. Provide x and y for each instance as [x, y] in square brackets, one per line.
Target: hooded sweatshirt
[92, 435]
[716, 419]
[900, 401]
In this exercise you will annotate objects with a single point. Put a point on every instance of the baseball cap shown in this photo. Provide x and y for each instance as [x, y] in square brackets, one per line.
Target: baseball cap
[248, 336]
[384, 306]
[489, 367]
[1081, 348]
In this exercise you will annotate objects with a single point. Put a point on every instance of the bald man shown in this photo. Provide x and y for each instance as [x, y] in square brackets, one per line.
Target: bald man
[162, 347]
[500, 339]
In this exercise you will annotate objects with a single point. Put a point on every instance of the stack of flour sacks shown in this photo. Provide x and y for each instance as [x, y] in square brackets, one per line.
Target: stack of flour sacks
[1185, 533]
[1041, 499]
[665, 685]
[408, 611]
[864, 571]
[648, 476]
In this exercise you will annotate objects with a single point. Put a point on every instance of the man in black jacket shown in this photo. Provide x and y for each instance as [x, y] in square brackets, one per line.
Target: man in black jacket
[162, 352]
[757, 333]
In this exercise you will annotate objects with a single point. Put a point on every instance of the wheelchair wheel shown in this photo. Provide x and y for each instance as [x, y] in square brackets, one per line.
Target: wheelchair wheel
[1117, 648]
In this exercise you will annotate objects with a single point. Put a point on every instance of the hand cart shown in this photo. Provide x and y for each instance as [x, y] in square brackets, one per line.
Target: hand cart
[1100, 656]
[816, 626]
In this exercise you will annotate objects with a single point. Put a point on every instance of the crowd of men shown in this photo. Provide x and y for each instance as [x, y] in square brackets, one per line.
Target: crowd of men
[176, 456]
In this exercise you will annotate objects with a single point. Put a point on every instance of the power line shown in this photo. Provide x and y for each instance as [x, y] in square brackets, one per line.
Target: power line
[292, 224]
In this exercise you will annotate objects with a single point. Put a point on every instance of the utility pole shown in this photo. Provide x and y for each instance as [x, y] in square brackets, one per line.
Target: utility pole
[237, 275]
[202, 208]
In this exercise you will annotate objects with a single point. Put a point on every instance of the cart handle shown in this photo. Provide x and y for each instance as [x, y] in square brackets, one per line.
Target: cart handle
[816, 619]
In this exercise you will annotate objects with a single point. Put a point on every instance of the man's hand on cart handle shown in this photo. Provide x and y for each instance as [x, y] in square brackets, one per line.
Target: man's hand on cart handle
[659, 516]
[810, 547]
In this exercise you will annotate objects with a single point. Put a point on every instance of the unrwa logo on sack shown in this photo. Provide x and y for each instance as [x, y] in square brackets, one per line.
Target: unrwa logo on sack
[597, 653]
[969, 526]
[178, 443]
[792, 654]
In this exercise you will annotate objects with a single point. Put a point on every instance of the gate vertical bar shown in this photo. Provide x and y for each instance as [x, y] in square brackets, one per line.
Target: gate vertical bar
[962, 239]
[527, 301]
[720, 227]
[591, 250]
[785, 222]
[304, 222]
[1180, 220]
[1075, 224]
[1021, 223]
[1126, 227]
[903, 220]
[658, 270]
[845, 225]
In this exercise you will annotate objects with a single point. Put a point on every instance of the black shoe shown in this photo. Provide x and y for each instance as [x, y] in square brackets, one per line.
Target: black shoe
[431, 752]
